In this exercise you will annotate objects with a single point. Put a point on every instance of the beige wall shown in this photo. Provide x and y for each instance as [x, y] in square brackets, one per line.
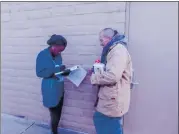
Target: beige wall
[26, 27]
[153, 44]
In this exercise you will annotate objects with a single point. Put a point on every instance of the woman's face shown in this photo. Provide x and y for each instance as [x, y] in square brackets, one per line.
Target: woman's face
[56, 49]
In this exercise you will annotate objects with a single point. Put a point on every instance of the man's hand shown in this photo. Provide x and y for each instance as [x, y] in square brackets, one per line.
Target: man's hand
[92, 69]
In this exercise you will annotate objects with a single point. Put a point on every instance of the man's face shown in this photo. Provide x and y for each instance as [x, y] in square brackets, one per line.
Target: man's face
[103, 40]
[56, 49]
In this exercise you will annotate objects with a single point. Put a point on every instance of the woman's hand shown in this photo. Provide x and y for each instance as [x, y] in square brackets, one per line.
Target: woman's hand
[62, 68]
[66, 72]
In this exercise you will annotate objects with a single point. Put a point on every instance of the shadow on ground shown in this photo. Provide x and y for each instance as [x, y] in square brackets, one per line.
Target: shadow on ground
[14, 125]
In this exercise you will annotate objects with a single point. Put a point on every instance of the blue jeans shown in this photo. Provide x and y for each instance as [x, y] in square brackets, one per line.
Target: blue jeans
[107, 125]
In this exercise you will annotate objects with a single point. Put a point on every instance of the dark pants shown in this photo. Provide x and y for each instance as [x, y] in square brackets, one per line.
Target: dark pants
[55, 114]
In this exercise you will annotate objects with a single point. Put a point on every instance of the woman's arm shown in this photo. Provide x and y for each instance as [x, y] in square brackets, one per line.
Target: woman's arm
[43, 70]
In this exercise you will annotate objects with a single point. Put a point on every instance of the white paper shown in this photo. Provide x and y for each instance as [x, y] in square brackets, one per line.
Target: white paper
[74, 68]
[77, 75]
[98, 68]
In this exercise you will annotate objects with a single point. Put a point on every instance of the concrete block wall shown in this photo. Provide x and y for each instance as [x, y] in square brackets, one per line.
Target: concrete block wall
[26, 26]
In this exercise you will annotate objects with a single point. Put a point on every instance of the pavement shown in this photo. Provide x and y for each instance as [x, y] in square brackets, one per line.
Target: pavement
[15, 125]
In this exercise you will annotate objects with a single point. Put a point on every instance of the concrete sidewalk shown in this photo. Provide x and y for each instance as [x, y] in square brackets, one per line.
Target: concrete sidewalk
[14, 125]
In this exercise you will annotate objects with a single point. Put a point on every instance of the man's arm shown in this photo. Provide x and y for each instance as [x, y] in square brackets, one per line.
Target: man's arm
[114, 68]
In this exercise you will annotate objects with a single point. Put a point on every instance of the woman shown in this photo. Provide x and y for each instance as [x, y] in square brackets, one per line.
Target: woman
[49, 62]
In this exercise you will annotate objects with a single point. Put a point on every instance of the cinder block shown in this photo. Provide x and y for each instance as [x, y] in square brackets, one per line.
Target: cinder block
[5, 8]
[87, 78]
[20, 87]
[75, 59]
[18, 65]
[15, 25]
[19, 16]
[73, 111]
[26, 80]
[89, 113]
[18, 57]
[80, 96]
[5, 17]
[88, 19]
[37, 14]
[25, 50]
[30, 32]
[81, 120]
[85, 88]
[62, 10]
[25, 41]
[78, 103]
[100, 7]
[68, 86]
[11, 72]
[29, 6]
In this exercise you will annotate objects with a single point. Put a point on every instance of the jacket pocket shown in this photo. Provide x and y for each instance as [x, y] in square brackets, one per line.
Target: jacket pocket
[109, 92]
[107, 103]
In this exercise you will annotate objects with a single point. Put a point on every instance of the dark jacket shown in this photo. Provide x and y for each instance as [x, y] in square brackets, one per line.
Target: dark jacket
[52, 88]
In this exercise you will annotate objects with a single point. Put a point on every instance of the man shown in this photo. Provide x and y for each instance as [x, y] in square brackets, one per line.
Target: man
[49, 62]
[113, 84]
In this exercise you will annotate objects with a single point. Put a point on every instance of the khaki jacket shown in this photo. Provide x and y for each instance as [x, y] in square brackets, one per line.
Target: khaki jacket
[114, 92]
